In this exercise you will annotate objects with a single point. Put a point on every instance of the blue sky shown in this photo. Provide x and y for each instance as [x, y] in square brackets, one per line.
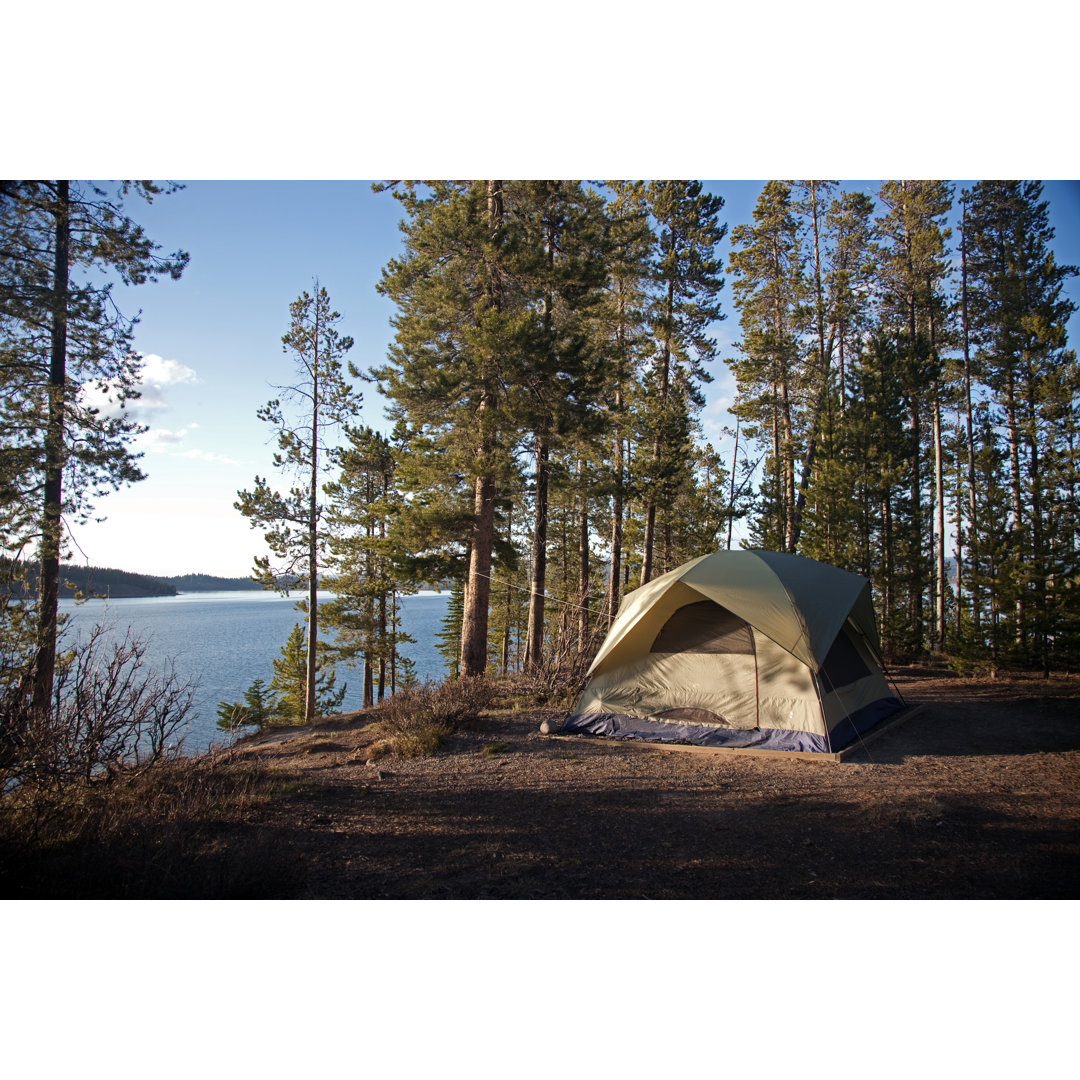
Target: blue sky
[212, 343]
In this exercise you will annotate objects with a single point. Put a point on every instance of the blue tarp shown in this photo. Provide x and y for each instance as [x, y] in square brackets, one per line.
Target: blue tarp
[622, 726]
[862, 721]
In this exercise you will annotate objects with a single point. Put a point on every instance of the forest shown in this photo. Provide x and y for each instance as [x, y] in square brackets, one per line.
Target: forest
[905, 409]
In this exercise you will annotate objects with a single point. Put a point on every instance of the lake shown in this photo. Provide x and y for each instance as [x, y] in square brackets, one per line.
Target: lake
[228, 639]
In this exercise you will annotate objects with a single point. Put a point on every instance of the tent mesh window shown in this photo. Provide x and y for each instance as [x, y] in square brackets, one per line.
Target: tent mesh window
[843, 665]
[704, 627]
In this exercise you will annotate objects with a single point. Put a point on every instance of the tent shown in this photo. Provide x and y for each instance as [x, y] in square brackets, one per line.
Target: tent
[751, 649]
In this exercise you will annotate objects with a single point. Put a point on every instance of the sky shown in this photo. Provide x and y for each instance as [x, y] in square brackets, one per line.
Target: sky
[212, 353]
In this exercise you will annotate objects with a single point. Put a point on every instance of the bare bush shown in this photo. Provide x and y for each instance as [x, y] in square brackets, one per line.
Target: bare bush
[111, 715]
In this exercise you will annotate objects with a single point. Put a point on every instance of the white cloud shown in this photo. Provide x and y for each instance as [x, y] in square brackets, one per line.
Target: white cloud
[156, 375]
[158, 372]
[160, 438]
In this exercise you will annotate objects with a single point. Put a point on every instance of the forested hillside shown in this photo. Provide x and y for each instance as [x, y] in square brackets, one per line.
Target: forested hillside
[97, 581]
[209, 583]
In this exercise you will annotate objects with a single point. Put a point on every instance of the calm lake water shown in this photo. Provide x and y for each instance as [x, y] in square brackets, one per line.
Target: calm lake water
[228, 639]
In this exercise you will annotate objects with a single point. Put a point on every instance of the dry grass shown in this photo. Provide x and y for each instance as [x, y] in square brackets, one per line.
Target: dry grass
[414, 723]
[163, 832]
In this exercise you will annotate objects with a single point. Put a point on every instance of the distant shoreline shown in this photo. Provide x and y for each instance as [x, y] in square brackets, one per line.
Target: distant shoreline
[108, 583]
[296, 594]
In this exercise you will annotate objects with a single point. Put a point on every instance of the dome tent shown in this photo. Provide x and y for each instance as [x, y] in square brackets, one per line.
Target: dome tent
[750, 649]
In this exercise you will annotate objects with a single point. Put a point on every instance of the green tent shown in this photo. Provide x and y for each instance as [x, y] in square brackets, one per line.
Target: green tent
[741, 649]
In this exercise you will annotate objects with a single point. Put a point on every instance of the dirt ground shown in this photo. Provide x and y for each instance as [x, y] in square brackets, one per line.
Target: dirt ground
[976, 797]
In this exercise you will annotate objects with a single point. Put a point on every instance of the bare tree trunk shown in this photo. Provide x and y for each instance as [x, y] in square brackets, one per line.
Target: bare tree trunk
[49, 574]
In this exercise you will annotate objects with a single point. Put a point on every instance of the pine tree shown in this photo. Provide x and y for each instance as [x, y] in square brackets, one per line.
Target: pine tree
[294, 521]
[565, 227]
[364, 502]
[812, 207]
[59, 331]
[1018, 316]
[291, 686]
[463, 323]
[913, 274]
[770, 290]
[687, 283]
[619, 323]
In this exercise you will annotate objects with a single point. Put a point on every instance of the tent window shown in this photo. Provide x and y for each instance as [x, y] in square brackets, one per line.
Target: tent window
[704, 627]
[843, 665]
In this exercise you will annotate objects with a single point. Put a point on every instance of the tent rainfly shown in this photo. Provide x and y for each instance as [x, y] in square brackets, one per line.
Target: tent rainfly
[741, 649]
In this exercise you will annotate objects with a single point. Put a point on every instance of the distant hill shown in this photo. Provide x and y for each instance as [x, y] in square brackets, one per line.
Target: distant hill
[120, 584]
[100, 581]
[187, 583]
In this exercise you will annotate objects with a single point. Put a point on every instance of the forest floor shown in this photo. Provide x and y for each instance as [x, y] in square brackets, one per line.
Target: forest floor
[977, 796]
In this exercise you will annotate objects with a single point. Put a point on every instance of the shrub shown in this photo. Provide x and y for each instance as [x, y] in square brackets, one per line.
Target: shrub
[111, 715]
[161, 833]
[257, 710]
[414, 722]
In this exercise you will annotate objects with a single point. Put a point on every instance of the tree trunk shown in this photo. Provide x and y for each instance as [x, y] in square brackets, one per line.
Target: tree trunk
[647, 544]
[508, 609]
[583, 574]
[939, 492]
[382, 645]
[49, 574]
[1015, 489]
[474, 625]
[393, 645]
[313, 569]
[665, 379]
[973, 535]
[939, 539]
[612, 602]
[534, 640]
[614, 573]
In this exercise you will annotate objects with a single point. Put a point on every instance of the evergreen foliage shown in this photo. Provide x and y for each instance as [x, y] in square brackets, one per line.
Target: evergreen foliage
[293, 522]
[63, 344]
[289, 686]
[918, 407]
